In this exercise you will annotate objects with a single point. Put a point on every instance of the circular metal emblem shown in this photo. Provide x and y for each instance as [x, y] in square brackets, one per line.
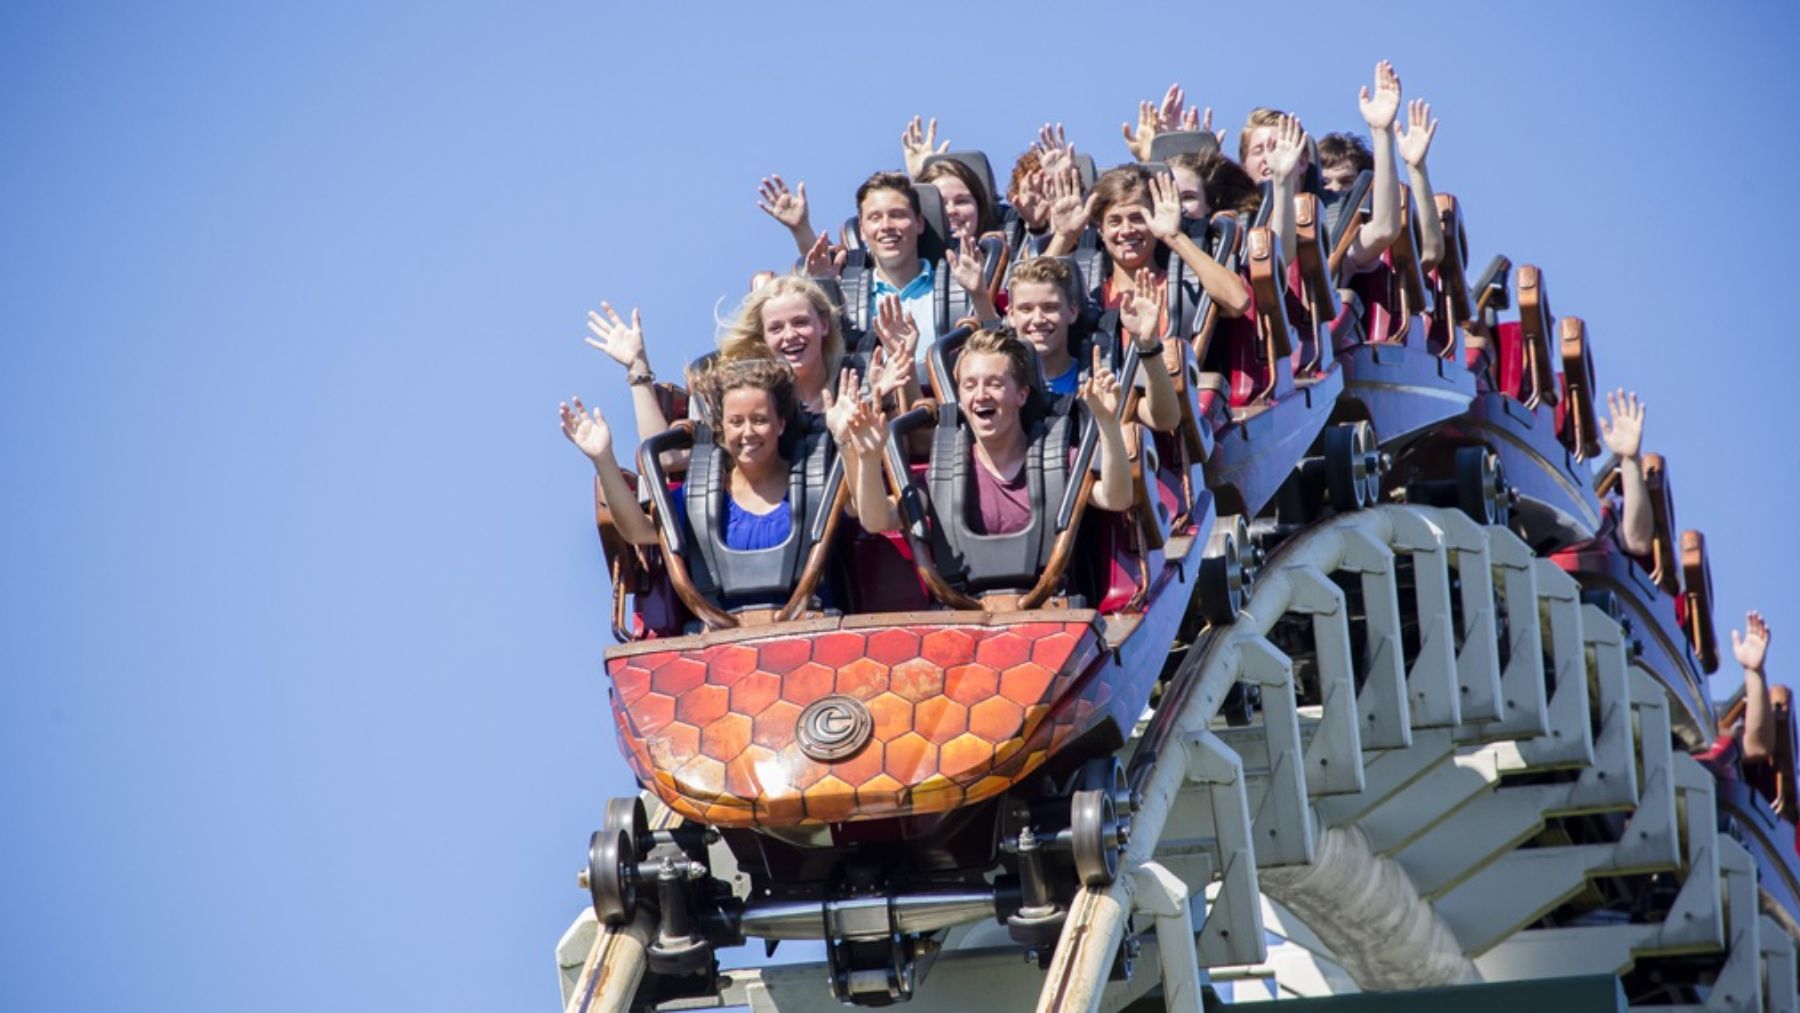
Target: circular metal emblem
[834, 728]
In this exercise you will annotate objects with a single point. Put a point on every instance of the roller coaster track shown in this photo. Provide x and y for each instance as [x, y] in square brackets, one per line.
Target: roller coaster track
[1404, 814]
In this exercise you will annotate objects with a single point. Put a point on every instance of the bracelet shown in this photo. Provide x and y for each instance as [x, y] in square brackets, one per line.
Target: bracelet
[1152, 348]
[639, 379]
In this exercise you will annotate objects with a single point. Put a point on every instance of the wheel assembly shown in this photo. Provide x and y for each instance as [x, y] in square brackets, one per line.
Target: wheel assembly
[1223, 581]
[611, 858]
[1352, 466]
[1481, 486]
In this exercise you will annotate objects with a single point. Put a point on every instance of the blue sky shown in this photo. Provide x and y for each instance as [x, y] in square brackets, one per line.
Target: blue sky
[302, 606]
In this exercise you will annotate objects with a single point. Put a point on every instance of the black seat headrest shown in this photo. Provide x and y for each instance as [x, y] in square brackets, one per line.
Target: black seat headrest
[1175, 142]
[937, 227]
[942, 363]
[975, 161]
[1084, 164]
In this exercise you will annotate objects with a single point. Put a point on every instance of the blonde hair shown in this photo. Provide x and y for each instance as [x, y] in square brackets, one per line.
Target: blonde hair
[1049, 271]
[1001, 341]
[1261, 116]
[744, 336]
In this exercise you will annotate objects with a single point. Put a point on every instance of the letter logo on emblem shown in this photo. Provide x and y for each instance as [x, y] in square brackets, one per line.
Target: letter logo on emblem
[833, 728]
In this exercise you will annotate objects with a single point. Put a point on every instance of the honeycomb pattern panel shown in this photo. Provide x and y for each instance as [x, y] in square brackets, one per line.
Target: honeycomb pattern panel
[959, 713]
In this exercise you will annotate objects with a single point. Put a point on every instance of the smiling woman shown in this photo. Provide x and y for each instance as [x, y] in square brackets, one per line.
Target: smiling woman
[792, 317]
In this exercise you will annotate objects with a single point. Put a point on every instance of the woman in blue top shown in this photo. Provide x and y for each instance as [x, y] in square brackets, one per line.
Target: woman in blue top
[754, 405]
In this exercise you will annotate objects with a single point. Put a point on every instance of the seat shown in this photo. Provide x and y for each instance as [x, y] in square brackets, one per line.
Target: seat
[1165, 146]
[1540, 385]
[724, 587]
[976, 162]
[1577, 423]
[1697, 602]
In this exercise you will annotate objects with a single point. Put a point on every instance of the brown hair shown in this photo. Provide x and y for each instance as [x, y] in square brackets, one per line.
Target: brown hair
[1000, 340]
[986, 218]
[1261, 116]
[761, 372]
[1338, 149]
[1126, 184]
[744, 331]
[1049, 271]
[1228, 187]
[895, 181]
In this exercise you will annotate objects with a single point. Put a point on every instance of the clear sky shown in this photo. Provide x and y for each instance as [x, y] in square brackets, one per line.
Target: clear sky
[301, 609]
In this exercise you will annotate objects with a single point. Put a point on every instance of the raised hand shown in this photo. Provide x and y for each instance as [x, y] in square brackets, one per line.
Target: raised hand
[624, 344]
[1624, 431]
[889, 374]
[589, 432]
[1030, 201]
[824, 260]
[1290, 142]
[1421, 128]
[1169, 112]
[1206, 125]
[1139, 142]
[839, 406]
[778, 203]
[1165, 206]
[1055, 153]
[895, 329]
[966, 263]
[1751, 646]
[1141, 310]
[917, 141]
[1100, 392]
[1068, 211]
[1378, 110]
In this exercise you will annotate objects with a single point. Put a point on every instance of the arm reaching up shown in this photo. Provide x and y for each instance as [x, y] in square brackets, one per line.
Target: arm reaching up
[1624, 436]
[1284, 174]
[1378, 111]
[856, 425]
[916, 143]
[1751, 648]
[1112, 491]
[1228, 290]
[593, 437]
[625, 345]
[1140, 313]
[1413, 145]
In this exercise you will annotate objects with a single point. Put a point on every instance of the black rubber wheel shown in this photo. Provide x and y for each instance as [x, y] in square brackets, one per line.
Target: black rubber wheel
[1352, 471]
[610, 857]
[1093, 829]
[1480, 487]
[1221, 591]
[628, 815]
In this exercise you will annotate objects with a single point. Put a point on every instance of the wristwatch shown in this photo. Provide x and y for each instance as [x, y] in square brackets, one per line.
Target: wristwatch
[639, 379]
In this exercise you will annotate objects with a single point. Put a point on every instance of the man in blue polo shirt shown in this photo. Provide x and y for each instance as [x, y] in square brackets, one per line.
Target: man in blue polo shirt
[887, 215]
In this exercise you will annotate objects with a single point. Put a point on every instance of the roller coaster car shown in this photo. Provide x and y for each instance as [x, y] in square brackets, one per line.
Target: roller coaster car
[952, 303]
[1664, 600]
[877, 768]
[1761, 807]
[1282, 390]
[1524, 420]
[1409, 375]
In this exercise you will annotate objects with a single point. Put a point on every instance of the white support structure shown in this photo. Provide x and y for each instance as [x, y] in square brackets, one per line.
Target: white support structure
[1380, 834]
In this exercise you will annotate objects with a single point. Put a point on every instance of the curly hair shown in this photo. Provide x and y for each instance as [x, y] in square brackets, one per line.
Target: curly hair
[761, 372]
[744, 331]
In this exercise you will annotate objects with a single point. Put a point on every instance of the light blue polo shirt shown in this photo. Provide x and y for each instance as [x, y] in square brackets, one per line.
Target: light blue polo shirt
[918, 299]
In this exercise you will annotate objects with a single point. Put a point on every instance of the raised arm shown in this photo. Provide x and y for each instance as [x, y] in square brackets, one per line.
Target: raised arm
[1284, 174]
[916, 143]
[593, 437]
[625, 345]
[788, 208]
[1142, 308]
[1624, 436]
[1378, 111]
[1101, 395]
[1413, 144]
[1752, 648]
[1228, 291]
[898, 335]
[856, 424]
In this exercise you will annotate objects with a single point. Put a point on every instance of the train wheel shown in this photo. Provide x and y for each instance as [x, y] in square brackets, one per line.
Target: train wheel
[1222, 580]
[1094, 833]
[1480, 486]
[611, 857]
[628, 815]
[1352, 466]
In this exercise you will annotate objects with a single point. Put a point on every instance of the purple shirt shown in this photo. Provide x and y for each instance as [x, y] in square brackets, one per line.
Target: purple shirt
[1000, 507]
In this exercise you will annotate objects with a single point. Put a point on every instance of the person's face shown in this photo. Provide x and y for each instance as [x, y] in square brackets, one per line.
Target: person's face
[1125, 232]
[1256, 158]
[1339, 177]
[959, 205]
[751, 426]
[1193, 195]
[793, 330]
[889, 228]
[1041, 315]
[987, 391]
